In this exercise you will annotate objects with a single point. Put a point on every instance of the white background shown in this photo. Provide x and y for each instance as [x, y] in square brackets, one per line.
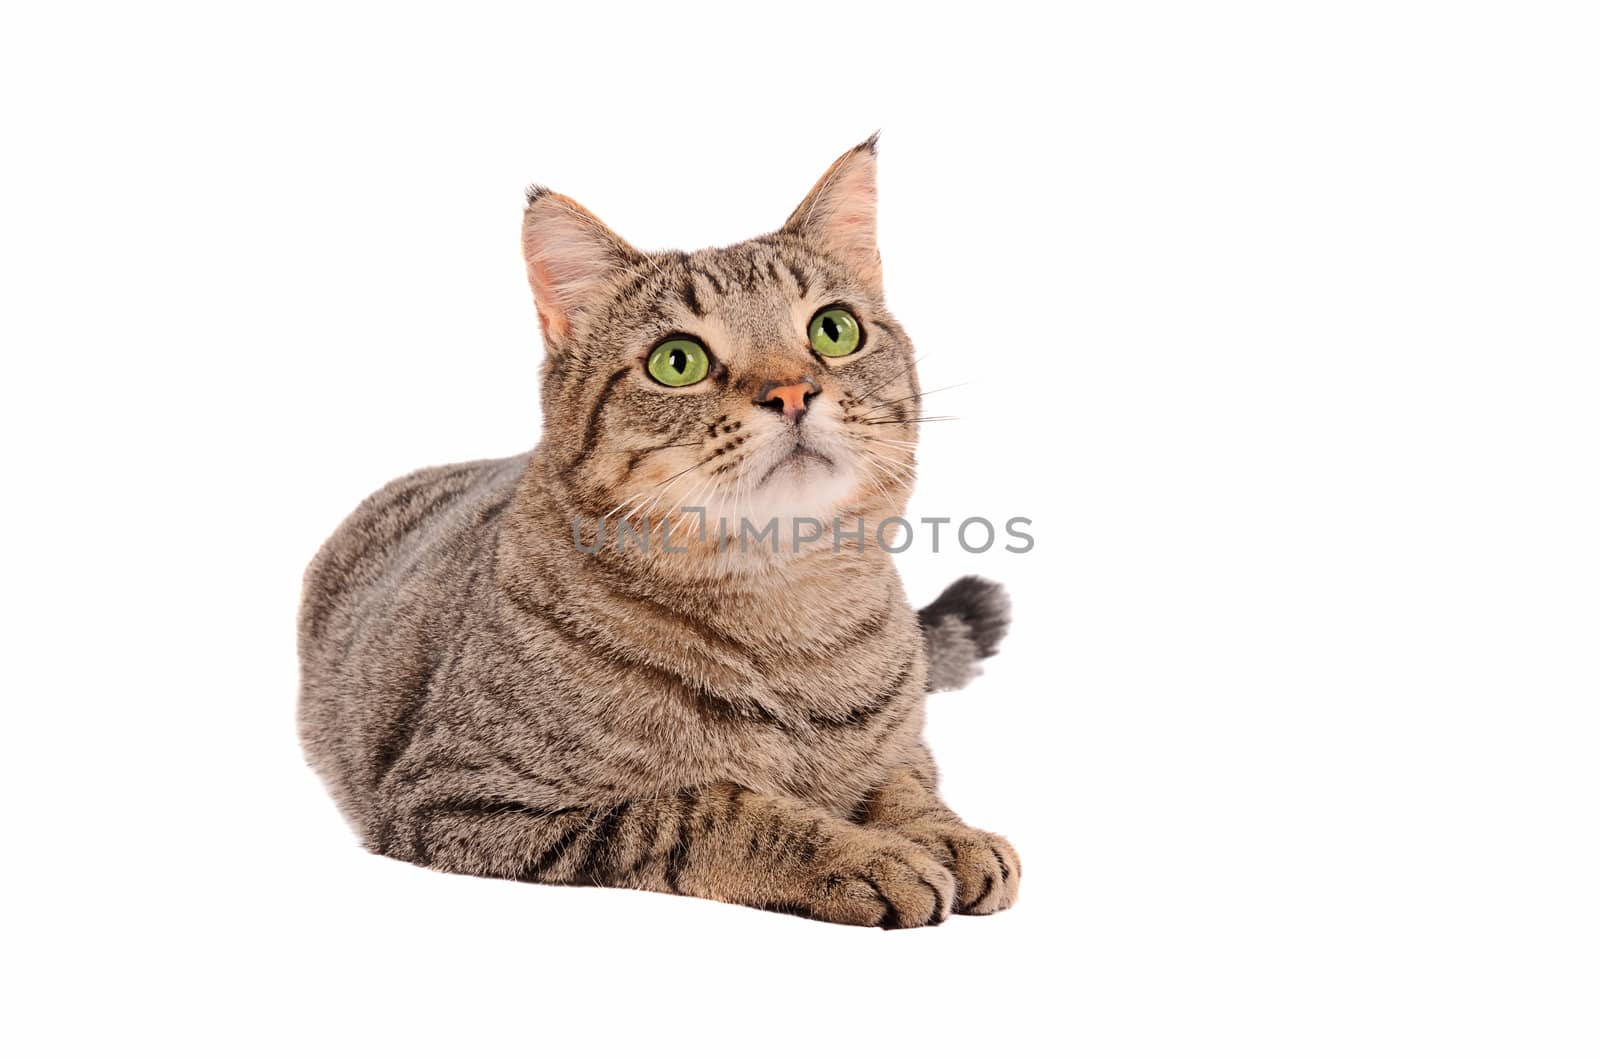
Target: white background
[1279, 321]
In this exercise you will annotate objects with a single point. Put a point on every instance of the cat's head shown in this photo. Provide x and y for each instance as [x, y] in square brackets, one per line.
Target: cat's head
[765, 380]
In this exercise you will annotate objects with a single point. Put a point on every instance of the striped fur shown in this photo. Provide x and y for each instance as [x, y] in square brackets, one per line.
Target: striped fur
[482, 696]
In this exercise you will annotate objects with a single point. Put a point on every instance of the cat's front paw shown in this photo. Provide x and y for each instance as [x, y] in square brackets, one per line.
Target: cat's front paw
[986, 867]
[883, 880]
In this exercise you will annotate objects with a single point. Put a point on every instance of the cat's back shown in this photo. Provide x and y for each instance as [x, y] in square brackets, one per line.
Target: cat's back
[398, 565]
[402, 535]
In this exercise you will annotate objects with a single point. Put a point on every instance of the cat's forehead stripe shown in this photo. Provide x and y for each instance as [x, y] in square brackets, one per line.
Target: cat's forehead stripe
[691, 299]
[796, 273]
[717, 283]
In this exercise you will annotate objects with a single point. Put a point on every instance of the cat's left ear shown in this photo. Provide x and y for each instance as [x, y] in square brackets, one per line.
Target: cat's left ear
[841, 213]
[573, 260]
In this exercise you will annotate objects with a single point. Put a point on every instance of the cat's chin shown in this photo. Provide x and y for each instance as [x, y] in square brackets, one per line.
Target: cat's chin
[802, 486]
[805, 482]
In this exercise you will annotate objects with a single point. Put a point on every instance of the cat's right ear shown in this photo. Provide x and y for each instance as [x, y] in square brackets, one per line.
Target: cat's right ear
[572, 259]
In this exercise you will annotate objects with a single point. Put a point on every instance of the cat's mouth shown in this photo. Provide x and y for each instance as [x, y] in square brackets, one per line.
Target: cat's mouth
[805, 473]
[797, 461]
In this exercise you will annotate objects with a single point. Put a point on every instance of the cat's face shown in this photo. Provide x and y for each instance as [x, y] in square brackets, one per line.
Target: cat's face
[761, 381]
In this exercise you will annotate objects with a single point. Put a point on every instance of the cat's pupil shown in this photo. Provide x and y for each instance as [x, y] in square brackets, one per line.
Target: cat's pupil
[830, 328]
[680, 361]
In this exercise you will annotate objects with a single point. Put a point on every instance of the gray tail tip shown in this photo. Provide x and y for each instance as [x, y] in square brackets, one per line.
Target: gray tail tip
[981, 605]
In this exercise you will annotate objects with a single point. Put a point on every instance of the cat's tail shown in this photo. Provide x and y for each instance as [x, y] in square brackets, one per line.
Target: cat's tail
[965, 624]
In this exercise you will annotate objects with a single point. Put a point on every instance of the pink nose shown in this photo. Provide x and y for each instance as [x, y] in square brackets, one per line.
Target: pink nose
[788, 400]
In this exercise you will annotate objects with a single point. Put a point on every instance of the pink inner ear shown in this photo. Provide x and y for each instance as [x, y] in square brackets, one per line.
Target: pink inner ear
[571, 257]
[841, 213]
[853, 235]
[551, 321]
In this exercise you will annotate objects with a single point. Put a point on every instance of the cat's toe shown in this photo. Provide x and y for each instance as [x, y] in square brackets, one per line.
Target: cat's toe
[986, 866]
[889, 884]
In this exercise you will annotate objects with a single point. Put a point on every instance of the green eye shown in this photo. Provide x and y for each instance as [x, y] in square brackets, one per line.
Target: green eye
[678, 362]
[835, 333]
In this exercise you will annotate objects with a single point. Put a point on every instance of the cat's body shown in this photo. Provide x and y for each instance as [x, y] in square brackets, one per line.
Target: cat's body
[483, 695]
[442, 591]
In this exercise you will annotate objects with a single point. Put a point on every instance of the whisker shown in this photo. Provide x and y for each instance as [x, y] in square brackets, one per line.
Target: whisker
[702, 498]
[649, 448]
[917, 394]
[625, 500]
[885, 467]
[897, 459]
[646, 503]
[914, 419]
[661, 487]
[685, 471]
[877, 389]
[888, 461]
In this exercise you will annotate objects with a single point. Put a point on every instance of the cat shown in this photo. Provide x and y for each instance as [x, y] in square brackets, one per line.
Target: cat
[481, 695]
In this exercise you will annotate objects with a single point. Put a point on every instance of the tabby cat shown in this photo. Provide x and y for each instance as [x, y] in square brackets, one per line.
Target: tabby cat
[492, 684]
